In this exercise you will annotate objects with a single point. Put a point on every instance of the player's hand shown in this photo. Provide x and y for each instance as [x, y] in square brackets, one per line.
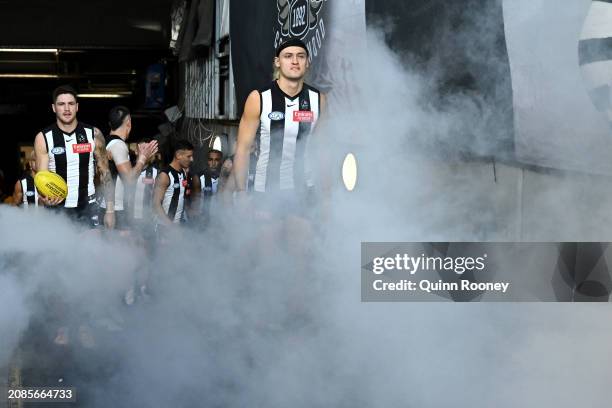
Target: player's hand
[50, 202]
[226, 168]
[148, 150]
[109, 220]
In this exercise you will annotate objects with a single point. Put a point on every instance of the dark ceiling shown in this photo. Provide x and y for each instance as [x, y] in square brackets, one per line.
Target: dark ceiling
[101, 44]
[85, 23]
[102, 47]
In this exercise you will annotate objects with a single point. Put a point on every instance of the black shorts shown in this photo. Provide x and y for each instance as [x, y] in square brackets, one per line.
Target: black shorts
[85, 215]
[284, 203]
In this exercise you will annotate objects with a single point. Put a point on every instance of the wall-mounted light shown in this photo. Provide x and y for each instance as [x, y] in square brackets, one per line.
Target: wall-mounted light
[39, 50]
[104, 95]
[29, 76]
[349, 171]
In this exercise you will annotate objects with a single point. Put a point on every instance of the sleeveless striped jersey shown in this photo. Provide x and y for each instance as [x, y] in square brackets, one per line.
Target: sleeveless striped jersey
[143, 193]
[174, 196]
[285, 125]
[208, 184]
[71, 155]
[29, 192]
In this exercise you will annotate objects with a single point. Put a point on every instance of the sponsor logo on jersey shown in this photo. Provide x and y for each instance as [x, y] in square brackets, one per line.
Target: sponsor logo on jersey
[29, 193]
[303, 116]
[58, 150]
[276, 115]
[81, 148]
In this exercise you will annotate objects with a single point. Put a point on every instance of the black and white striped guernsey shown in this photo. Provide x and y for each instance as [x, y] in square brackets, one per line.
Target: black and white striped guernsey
[72, 157]
[143, 193]
[174, 196]
[210, 187]
[209, 184]
[29, 192]
[285, 125]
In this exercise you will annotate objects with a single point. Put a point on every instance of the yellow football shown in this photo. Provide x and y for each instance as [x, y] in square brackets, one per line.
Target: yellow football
[50, 184]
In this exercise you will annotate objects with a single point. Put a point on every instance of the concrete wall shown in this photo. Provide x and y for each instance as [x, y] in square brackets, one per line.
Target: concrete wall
[528, 205]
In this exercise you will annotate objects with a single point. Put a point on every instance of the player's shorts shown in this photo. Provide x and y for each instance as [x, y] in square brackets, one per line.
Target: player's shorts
[86, 215]
[284, 203]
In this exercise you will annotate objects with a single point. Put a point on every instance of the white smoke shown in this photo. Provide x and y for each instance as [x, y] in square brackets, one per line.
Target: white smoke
[223, 328]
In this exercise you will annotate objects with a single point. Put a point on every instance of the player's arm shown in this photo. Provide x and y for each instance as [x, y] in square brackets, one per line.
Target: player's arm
[42, 164]
[321, 124]
[323, 104]
[162, 181]
[246, 135]
[323, 153]
[196, 193]
[17, 194]
[129, 175]
[325, 159]
[228, 186]
[106, 179]
[226, 189]
[40, 150]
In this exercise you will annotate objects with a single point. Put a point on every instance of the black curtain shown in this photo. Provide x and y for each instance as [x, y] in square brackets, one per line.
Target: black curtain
[252, 42]
[257, 27]
[196, 30]
[461, 45]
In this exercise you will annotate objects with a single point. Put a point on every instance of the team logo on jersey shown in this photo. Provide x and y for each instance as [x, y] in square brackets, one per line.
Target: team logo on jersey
[81, 138]
[276, 115]
[301, 19]
[29, 193]
[304, 105]
[58, 150]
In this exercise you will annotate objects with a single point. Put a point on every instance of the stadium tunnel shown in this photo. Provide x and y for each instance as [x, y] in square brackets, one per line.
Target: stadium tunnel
[169, 61]
[112, 53]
